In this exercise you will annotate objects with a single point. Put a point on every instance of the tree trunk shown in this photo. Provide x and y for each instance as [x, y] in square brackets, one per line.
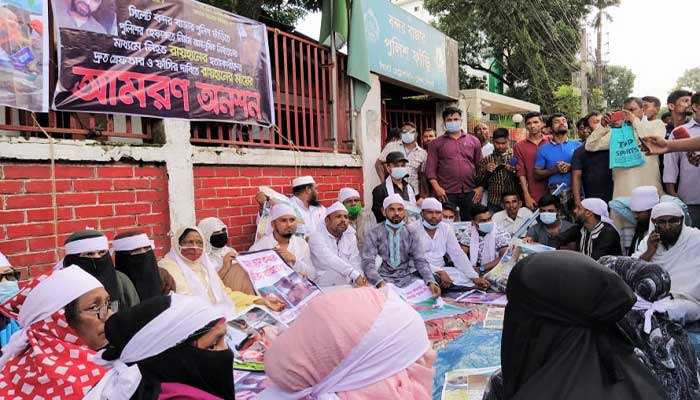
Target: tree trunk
[599, 51]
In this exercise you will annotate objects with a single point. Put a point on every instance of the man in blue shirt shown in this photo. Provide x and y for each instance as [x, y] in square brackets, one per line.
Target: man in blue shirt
[554, 159]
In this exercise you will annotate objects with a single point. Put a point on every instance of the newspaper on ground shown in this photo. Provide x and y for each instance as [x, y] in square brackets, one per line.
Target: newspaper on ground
[418, 294]
[494, 318]
[467, 384]
[481, 297]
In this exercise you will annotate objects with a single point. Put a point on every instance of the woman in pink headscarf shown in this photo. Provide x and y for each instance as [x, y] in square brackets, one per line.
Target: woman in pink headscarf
[354, 344]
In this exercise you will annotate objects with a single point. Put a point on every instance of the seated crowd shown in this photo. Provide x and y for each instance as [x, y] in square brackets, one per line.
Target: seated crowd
[116, 323]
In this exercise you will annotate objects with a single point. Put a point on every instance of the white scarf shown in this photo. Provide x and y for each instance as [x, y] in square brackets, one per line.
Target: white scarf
[184, 317]
[54, 292]
[649, 309]
[390, 190]
[680, 261]
[216, 255]
[488, 254]
[395, 341]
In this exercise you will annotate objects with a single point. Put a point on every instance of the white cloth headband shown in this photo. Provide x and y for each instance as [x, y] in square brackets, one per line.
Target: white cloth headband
[132, 243]
[185, 316]
[90, 244]
[54, 292]
[395, 341]
[649, 309]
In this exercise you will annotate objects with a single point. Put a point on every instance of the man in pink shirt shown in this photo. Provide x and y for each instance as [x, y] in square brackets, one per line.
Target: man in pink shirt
[451, 164]
[525, 152]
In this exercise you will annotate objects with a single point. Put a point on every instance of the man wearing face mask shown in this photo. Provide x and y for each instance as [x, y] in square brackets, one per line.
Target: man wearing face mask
[360, 222]
[594, 233]
[402, 252]
[334, 251]
[676, 248]
[415, 155]
[549, 222]
[452, 162]
[293, 249]
[484, 241]
[395, 183]
[89, 249]
[440, 241]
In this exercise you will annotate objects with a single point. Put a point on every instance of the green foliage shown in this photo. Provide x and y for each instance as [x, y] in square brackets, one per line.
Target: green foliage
[689, 80]
[596, 101]
[618, 83]
[567, 100]
[538, 39]
[287, 12]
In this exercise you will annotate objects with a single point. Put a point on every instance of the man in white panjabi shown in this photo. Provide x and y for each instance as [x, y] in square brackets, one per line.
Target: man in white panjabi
[305, 201]
[293, 249]
[334, 251]
[676, 248]
[440, 240]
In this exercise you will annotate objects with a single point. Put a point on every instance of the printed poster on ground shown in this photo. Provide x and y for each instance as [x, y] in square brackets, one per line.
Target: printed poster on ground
[270, 274]
[24, 54]
[168, 59]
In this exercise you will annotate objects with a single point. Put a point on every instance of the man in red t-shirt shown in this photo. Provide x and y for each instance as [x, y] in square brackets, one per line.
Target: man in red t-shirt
[525, 152]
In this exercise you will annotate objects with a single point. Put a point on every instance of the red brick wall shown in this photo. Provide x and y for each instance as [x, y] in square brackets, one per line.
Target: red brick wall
[228, 192]
[112, 198]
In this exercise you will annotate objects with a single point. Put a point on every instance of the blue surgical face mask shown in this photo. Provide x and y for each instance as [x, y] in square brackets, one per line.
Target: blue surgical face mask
[8, 289]
[448, 221]
[486, 227]
[548, 218]
[408, 137]
[430, 226]
[453, 126]
[399, 172]
[393, 225]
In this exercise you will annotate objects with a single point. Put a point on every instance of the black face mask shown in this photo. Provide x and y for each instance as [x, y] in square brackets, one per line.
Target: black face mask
[219, 240]
[210, 371]
[142, 269]
[101, 268]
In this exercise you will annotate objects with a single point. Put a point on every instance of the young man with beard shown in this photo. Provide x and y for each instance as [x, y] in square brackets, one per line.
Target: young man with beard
[292, 248]
[589, 169]
[554, 159]
[643, 199]
[676, 248]
[496, 172]
[428, 136]
[684, 169]
[334, 251]
[400, 248]
[594, 233]
[305, 200]
[79, 14]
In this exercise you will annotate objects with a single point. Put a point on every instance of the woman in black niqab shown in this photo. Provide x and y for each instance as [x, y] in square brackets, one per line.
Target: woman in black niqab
[561, 339]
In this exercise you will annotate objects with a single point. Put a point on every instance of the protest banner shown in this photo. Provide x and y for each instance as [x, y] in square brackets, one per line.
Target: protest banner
[24, 54]
[174, 59]
[270, 274]
[252, 331]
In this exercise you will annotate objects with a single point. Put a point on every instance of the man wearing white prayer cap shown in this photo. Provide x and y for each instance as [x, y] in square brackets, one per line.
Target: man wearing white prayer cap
[400, 248]
[440, 240]
[292, 248]
[594, 233]
[360, 221]
[305, 200]
[334, 251]
[643, 199]
[676, 248]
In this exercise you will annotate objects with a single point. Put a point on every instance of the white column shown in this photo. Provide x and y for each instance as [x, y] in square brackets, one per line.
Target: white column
[177, 152]
[369, 138]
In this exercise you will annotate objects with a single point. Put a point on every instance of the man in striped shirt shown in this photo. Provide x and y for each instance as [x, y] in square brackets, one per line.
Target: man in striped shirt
[496, 173]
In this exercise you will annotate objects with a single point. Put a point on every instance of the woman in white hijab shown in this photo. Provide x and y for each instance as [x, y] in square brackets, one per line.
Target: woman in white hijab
[222, 257]
[194, 275]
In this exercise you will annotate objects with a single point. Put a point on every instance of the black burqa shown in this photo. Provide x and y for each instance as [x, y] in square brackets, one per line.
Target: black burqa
[202, 369]
[561, 339]
[101, 268]
[142, 269]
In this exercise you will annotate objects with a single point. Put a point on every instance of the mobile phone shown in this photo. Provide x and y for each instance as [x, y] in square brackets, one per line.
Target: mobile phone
[513, 161]
[680, 133]
[617, 116]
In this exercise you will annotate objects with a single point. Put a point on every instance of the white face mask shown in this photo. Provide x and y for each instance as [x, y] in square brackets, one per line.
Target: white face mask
[548, 218]
[408, 137]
